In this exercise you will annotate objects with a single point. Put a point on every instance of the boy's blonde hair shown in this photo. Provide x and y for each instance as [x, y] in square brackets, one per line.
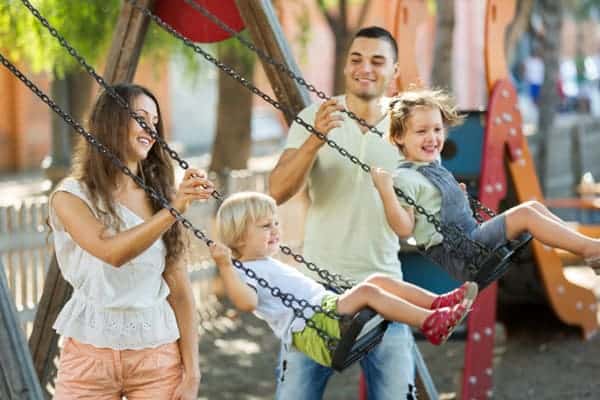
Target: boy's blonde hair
[240, 210]
[403, 105]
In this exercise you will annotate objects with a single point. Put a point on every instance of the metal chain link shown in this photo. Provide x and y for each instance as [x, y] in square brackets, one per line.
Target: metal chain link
[247, 84]
[281, 67]
[288, 299]
[277, 105]
[335, 280]
[110, 90]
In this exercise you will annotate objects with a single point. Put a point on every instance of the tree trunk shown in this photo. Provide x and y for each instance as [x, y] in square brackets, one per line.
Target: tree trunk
[342, 31]
[342, 39]
[552, 14]
[518, 27]
[441, 74]
[72, 93]
[231, 148]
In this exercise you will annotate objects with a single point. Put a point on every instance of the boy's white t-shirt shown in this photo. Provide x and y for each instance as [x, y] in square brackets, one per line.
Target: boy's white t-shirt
[346, 230]
[118, 308]
[280, 318]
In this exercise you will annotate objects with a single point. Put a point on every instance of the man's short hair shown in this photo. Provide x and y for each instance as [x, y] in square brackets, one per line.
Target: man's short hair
[375, 32]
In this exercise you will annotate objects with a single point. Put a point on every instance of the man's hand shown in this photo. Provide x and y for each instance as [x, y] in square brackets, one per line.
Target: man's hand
[328, 116]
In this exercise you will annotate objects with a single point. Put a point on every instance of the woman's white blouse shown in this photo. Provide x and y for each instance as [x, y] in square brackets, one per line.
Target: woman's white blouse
[119, 308]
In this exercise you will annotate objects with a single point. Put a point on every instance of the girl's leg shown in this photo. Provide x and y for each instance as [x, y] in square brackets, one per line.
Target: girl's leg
[544, 210]
[388, 305]
[546, 229]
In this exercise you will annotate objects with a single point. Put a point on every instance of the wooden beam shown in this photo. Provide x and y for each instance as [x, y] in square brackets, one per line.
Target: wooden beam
[127, 43]
[43, 342]
[17, 376]
[264, 28]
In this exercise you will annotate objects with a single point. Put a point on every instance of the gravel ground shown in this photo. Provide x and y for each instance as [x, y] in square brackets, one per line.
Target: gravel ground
[536, 357]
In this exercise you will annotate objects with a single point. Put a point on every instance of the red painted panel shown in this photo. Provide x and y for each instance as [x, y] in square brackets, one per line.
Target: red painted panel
[194, 25]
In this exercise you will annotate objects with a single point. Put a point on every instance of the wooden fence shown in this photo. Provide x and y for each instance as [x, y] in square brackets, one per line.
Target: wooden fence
[26, 250]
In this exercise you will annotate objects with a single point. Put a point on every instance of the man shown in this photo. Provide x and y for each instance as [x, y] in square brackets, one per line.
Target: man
[346, 231]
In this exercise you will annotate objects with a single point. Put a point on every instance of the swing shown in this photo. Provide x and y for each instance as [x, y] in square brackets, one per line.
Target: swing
[362, 332]
[486, 266]
[366, 327]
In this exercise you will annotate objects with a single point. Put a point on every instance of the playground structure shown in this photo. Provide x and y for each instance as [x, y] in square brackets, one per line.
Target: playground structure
[501, 141]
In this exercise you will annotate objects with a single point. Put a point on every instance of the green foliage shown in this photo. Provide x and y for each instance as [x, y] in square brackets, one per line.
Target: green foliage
[583, 9]
[246, 57]
[87, 25]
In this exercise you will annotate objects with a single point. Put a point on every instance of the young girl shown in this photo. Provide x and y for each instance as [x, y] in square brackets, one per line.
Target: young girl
[248, 226]
[126, 334]
[418, 128]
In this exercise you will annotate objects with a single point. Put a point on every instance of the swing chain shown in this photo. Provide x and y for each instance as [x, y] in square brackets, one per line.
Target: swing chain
[453, 231]
[247, 84]
[478, 207]
[281, 67]
[288, 299]
[122, 102]
[299, 306]
[331, 278]
[452, 235]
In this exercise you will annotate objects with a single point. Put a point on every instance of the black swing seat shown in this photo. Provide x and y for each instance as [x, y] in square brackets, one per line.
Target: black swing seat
[360, 335]
[499, 260]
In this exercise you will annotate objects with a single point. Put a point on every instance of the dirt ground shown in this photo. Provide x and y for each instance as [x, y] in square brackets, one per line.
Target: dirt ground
[535, 357]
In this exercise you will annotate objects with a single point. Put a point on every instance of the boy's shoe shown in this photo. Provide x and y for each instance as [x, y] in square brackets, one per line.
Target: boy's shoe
[456, 296]
[594, 263]
[438, 327]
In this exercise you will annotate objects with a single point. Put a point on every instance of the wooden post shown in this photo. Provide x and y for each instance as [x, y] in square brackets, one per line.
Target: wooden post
[265, 30]
[120, 67]
[17, 376]
[43, 342]
[127, 43]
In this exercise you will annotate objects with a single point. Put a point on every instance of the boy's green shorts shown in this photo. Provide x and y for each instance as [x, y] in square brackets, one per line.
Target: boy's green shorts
[308, 340]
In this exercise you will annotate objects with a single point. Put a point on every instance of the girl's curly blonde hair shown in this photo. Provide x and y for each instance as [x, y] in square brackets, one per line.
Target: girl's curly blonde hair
[403, 105]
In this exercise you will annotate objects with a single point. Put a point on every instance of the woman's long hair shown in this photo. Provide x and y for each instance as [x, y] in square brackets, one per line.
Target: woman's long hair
[109, 123]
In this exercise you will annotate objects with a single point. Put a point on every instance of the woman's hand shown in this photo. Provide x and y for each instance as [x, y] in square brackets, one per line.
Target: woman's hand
[194, 186]
[188, 388]
[220, 253]
[382, 179]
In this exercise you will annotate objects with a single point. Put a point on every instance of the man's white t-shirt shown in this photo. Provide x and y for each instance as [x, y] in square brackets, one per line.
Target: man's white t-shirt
[346, 229]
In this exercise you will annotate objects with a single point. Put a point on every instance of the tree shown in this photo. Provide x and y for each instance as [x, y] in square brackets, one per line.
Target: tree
[441, 74]
[518, 27]
[336, 14]
[232, 144]
[88, 27]
[551, 12]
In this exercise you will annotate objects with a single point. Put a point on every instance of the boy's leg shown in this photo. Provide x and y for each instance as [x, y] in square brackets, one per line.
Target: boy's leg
[405, 290]
[388, 305]
[390, 367]
[299, 377]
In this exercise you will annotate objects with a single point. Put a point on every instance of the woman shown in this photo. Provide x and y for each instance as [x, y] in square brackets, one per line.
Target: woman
[129, 327]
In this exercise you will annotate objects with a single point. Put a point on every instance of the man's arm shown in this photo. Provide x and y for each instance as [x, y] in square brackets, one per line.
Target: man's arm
[291, 171]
